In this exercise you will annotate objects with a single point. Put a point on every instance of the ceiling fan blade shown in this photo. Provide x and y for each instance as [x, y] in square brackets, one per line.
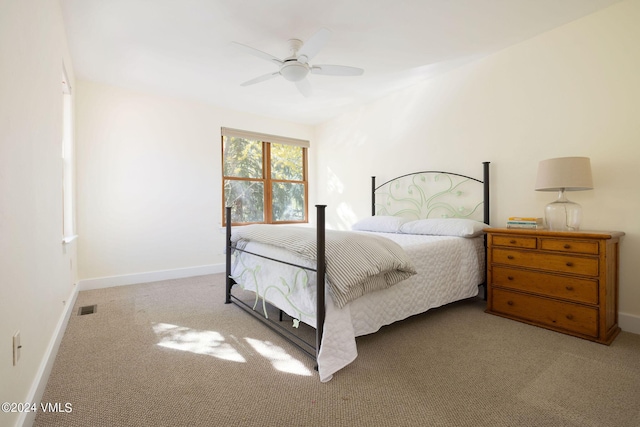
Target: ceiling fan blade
[336, 70]
[261, 78]
[304, 87]
[258, 53]
[312, 46]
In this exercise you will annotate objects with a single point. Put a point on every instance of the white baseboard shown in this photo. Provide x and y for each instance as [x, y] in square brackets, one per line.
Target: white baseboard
[152, 276]
[629, 323]
[26, 419]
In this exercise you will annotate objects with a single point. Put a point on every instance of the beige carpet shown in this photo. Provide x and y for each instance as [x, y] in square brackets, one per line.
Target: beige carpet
[172, 354]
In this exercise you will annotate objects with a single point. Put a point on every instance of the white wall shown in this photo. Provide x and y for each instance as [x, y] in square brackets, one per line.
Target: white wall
[574, 91]
[149, 182]
[37, 273]
[149, 167]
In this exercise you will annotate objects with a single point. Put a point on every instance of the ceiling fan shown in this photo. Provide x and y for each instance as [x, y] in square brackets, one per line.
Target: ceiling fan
[296, 67]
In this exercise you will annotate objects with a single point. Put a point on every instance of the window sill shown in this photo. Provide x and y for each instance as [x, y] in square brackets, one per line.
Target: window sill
[68, 239]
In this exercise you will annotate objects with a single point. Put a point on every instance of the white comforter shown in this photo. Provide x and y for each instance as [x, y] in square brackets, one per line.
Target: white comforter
[449, 269]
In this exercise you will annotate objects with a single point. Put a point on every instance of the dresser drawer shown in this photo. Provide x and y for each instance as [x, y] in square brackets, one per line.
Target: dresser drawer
[569, 288]
[515, 241]
[546, 312]
[546, 261]
[566, 245]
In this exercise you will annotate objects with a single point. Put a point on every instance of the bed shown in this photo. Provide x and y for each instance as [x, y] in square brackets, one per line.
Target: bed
[423, 247]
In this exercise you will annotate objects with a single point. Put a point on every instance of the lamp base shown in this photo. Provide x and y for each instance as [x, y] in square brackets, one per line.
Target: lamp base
[562, 214]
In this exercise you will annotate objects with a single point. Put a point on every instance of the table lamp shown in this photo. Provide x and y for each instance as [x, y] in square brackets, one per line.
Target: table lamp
[564, 174]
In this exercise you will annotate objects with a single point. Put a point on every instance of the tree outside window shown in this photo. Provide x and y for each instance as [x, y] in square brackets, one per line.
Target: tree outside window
[264, 179]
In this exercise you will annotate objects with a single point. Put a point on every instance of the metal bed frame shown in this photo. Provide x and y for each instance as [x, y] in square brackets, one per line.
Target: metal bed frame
[308, 348]
[320, 270]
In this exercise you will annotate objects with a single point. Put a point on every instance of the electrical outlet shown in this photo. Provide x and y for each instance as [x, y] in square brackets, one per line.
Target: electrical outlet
[16, 348]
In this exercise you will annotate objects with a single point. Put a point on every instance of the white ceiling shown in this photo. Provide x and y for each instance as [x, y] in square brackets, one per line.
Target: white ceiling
[183, 47]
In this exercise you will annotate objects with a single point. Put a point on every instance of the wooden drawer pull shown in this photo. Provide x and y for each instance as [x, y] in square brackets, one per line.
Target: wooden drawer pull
[569, 288]
[513, 242]
[509, 302]
[569, 264]
[509, 277]
[509, 256]
[570, 316]
[567, 246]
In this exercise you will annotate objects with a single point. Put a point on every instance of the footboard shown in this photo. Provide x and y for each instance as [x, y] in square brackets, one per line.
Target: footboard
[311, 349]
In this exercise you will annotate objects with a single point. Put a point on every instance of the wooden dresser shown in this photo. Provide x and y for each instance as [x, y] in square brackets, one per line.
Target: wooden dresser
[564, 281]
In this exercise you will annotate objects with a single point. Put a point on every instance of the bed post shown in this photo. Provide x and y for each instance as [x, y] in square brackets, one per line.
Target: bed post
[486, 191]
[320, 274]
[486, 219]
[373, 196]
[228, 279]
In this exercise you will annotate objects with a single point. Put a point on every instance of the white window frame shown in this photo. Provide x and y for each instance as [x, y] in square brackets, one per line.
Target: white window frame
[266, 141]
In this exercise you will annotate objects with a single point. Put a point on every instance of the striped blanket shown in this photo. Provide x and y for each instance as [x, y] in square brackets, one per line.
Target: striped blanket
[356, 263]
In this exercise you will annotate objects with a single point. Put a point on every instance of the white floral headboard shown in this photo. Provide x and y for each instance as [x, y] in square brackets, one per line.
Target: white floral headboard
[433, 194]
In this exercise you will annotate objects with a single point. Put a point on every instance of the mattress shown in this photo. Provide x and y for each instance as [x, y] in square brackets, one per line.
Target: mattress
[449, 269]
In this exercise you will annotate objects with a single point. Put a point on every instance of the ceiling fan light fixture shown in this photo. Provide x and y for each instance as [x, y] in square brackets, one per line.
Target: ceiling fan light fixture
[294, 71]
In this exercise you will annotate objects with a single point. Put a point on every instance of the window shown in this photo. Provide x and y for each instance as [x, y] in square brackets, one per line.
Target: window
[68, 221]
[264, 178]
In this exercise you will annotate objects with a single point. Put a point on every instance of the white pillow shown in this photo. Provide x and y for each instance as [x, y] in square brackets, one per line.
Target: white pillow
[380, 223]
[460, 227]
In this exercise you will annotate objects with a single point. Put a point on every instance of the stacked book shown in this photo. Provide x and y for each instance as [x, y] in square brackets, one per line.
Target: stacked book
[525, 222]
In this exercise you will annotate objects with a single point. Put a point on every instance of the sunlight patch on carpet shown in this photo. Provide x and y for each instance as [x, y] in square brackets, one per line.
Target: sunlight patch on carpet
[279, 358]
[210, 343]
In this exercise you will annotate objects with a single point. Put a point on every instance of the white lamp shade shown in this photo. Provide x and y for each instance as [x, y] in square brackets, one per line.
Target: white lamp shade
[564, 173]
